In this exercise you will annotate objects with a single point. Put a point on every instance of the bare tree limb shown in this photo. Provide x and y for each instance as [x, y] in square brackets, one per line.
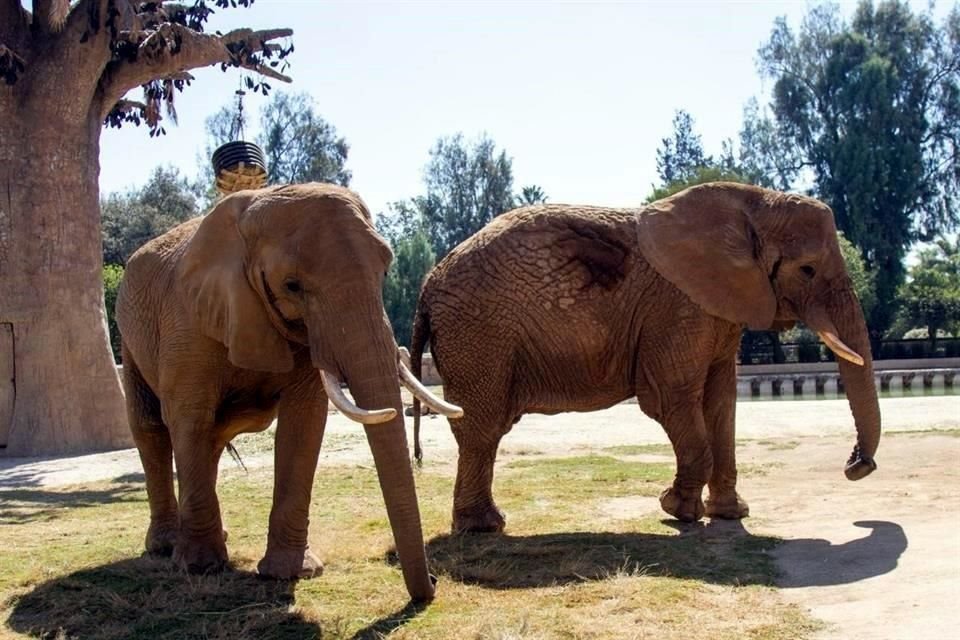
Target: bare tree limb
[180, 75]
[126, 106]
[14, 23]
[173, 48]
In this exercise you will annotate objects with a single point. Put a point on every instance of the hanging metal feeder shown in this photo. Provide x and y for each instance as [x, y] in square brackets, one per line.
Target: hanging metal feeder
[239, 165]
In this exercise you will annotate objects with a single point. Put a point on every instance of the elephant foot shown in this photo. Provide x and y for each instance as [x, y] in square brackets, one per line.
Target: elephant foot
[728, 506]
[486, 520]
[162, 538]
[201, 555]
[287, 564]
[684, 509]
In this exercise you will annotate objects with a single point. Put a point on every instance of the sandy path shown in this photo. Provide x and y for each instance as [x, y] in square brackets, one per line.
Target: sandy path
[878, 558]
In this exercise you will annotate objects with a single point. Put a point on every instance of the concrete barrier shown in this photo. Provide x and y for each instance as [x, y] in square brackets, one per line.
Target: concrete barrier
[822, 379]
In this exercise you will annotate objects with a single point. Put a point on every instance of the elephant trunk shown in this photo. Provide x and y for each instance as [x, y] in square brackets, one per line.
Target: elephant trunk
[367, 359]
[842, 317]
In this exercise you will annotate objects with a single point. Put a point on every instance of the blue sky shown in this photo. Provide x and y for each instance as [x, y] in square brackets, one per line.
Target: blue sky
[578, 94]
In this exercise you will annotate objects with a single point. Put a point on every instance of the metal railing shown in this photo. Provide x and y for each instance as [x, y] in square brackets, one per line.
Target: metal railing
[766, 349]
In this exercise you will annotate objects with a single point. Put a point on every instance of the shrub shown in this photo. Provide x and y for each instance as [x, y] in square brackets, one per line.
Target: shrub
[112, 275]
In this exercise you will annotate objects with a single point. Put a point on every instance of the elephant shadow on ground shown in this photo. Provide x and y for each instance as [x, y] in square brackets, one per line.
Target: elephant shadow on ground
[719, 552]
[817, 562]
[387, 625]
[19, 506]
[148, 598]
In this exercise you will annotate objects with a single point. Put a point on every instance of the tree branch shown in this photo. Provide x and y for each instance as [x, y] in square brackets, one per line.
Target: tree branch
[126, 106]
[14, 23]
[50, 15]
[172, 48]
[11, 65]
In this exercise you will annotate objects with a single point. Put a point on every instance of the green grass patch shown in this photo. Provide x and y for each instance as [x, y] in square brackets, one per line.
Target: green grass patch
[70, 564]
[640, 449]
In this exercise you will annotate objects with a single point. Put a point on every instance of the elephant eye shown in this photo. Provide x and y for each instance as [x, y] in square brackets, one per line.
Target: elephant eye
[808, 271]
[293, 286]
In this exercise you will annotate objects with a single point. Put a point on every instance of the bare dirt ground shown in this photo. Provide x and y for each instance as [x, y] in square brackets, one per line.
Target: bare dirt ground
[878, 558]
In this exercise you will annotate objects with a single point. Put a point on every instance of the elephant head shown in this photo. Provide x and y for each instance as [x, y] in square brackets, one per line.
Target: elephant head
[765, 258]
[274, 271]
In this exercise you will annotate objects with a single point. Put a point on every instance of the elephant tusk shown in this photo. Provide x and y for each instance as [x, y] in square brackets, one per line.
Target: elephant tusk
[416, 388]
[836, 345]
[340, 400]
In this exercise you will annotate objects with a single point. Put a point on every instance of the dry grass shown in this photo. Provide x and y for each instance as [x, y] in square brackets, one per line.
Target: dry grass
[70, 565]
[952, 433]
[778, 445]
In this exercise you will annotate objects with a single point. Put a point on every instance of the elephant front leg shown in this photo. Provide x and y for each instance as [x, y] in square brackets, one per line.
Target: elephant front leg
[300, 426]
[685, 428]
[719, 410]
[473, 507]
[201, 541]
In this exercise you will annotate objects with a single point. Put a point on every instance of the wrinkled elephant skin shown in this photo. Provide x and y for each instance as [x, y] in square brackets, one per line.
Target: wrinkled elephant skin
[257, 311]
[555, 308]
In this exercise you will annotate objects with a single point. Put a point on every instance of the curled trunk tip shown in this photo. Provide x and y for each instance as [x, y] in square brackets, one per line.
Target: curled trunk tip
[859, 466]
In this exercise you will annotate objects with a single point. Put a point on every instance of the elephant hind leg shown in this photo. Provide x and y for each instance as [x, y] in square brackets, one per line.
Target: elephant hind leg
[684, 425]
[156, 454]
[478, 436]
[719, 412]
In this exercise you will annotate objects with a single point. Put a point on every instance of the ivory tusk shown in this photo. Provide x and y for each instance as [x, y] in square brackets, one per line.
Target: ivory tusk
[836, 345]
[340, 400]
[416, 388]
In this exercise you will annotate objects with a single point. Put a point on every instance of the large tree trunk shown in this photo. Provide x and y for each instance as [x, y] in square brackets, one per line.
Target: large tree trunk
[65, 394]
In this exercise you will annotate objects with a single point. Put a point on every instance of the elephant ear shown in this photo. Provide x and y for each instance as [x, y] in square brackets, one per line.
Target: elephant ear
[705, 244]
[219, 296]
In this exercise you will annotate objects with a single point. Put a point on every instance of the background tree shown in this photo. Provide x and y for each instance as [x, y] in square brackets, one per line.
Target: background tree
[682, 163]
[864, 279]
[298, 144]
[697, 175]
[530, 194]
[112, 275]
[412, 260]
[872, 108]
[762, 157]
[130, 220]
[66, 69]
[680, 155]
[468, 184]
[931, 296]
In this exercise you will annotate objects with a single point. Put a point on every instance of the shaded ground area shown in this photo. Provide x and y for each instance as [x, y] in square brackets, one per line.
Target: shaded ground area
[879, 558]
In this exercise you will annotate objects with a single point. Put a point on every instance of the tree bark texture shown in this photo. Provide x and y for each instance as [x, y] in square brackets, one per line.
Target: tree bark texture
[65, 387]
[59, 388]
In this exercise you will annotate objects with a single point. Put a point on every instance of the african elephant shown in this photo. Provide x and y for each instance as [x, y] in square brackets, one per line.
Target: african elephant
[254, 312]
[556, 308]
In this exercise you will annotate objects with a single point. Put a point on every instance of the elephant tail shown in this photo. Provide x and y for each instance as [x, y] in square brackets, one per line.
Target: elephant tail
[421, 334]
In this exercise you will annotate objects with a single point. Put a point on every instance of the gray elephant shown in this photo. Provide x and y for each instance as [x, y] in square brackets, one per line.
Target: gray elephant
[557, 308]
[258, 311]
